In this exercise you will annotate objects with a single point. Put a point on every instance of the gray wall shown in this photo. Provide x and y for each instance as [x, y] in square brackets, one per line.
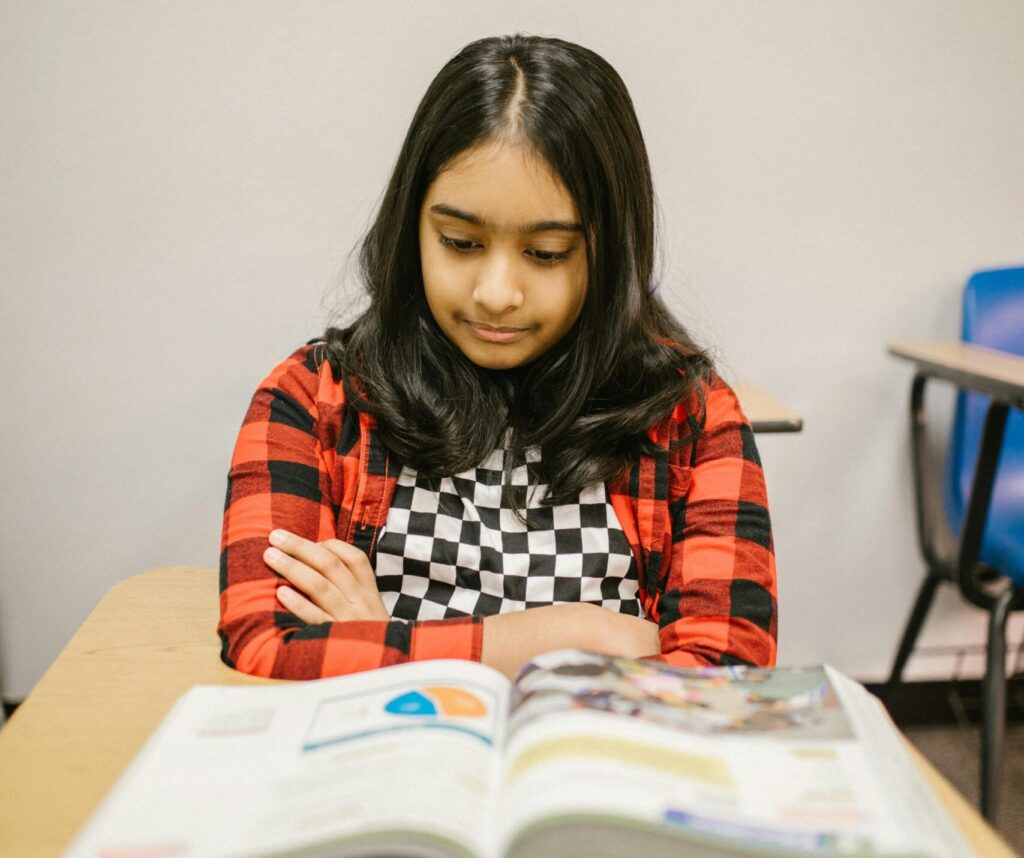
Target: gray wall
[181, 183]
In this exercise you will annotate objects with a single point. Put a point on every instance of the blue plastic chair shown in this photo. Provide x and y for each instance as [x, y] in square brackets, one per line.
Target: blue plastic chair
[988, 560]
[993, 316]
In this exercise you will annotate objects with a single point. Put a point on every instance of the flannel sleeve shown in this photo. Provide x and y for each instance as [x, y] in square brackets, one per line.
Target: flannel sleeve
[718, 604]
[292, 449]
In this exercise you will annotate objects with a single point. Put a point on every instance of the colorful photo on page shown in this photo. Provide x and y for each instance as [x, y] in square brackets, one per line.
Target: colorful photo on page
[794, 703]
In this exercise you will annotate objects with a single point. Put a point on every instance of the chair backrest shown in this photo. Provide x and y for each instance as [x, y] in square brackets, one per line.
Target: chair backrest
[993, 315]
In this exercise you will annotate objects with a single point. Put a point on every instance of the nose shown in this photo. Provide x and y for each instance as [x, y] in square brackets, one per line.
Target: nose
[497, 289]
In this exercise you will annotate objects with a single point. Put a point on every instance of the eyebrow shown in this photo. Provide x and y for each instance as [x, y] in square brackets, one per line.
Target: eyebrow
[525, 229]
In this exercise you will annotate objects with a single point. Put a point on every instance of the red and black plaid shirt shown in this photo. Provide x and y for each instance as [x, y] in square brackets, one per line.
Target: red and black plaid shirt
[696, 520]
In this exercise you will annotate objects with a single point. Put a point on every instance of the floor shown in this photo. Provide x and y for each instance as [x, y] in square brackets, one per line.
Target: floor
[953, 749]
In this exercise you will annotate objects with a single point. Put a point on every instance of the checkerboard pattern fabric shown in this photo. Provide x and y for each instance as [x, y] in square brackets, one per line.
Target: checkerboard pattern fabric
[457, 548]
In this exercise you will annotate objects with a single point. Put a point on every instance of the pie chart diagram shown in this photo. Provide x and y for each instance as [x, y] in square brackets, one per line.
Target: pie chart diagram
[444, 706]
[437, 700]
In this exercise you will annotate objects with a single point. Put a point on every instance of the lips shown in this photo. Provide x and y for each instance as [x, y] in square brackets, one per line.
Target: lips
[496, 333]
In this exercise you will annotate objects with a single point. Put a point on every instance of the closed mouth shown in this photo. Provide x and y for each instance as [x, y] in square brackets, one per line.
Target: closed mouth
[495, 333]
[501, 329]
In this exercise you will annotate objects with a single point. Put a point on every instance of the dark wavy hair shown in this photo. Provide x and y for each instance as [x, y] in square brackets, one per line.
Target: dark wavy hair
[589, 400]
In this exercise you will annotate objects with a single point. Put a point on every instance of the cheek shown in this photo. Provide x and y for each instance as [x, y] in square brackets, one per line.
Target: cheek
[575, 296]
[436, 277]
[560, 311]
[441, 267]
[445, 296]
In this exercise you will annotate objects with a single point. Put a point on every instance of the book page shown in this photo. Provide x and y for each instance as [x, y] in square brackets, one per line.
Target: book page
[404, 755]
[893, 763]
[736, 758]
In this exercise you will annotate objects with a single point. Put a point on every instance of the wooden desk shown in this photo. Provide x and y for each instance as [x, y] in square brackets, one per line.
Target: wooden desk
[150, 639]
[765, 413]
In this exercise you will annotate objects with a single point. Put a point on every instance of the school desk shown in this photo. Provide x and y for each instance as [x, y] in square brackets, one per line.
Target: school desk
[147, 642]
[765, 413]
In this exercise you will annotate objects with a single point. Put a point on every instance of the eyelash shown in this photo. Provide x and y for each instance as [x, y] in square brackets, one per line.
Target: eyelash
[549, 257]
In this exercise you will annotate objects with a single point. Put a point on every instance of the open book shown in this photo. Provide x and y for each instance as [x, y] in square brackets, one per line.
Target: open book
[583, 756]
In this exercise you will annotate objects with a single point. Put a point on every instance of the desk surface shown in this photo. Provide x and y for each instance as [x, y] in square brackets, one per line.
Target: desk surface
[996, 373]
[765, 413]
[148, 641]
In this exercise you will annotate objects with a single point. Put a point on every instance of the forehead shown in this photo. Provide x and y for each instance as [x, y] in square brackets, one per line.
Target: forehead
[504, 184]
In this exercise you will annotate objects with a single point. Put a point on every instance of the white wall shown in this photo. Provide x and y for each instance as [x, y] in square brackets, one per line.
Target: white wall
[181, 182]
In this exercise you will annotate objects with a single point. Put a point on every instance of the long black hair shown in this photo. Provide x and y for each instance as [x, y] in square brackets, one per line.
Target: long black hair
[589, 400]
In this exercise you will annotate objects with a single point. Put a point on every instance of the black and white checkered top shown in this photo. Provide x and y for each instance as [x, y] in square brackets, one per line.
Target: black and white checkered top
[455, 549]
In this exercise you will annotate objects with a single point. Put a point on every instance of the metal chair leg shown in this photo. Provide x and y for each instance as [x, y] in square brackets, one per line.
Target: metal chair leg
[937, 567]
[994, 717]
[913, 628]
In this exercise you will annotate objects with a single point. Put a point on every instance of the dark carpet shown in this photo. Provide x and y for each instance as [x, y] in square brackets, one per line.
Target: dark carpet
[954, 750]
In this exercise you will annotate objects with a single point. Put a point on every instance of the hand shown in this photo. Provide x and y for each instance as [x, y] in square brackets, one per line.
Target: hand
[330, 580]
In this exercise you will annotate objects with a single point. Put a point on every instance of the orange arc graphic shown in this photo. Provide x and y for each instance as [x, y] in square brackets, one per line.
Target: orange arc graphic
[457, 701]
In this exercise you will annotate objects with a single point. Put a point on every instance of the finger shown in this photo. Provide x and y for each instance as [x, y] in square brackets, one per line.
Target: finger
[365, 596]
[311, 583]
[355, 561]
[305, 610]
[316, 557]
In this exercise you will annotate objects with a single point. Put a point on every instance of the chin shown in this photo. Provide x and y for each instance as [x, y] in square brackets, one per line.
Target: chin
[498, 364]
[497, 361]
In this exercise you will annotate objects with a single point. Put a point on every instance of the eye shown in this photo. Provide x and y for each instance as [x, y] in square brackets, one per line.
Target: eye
[548, 257]
[459, 245]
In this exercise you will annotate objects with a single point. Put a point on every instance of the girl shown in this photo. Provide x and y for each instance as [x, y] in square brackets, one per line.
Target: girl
[516, 447]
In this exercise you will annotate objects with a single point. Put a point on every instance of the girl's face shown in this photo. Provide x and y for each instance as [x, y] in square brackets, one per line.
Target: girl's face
[503, 256]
